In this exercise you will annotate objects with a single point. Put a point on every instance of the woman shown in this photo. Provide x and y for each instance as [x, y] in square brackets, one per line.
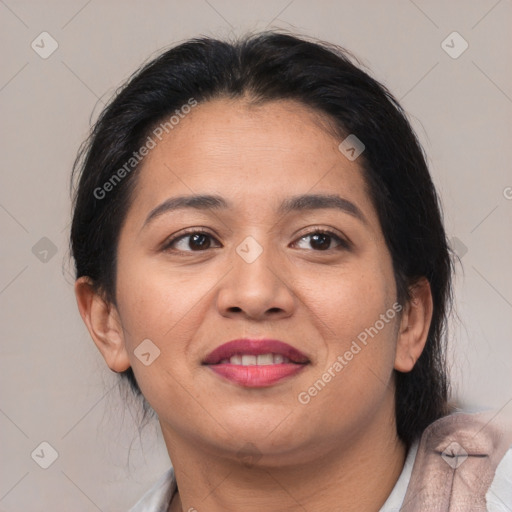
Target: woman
[260, 252]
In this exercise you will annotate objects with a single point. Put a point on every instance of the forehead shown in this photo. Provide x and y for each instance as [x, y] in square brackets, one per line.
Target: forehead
[250, 153]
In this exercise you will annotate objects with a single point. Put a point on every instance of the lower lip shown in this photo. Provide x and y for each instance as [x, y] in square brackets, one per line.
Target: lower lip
[256, 376]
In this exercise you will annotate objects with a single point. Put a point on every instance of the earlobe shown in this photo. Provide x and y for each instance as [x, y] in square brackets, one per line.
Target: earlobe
[103, 323]
[414, 326]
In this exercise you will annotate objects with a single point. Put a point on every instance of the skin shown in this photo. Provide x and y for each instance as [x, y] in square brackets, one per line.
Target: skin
[338, 452]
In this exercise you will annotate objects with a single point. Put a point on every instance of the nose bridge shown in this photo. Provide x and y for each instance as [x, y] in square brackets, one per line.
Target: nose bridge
[254, 266]
[255, 286]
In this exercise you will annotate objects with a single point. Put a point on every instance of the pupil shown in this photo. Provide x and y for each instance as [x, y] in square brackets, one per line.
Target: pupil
[199, 241]
[321, 241]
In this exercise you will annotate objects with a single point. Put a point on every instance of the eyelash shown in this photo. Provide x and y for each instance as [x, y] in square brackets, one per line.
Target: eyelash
[342, 243]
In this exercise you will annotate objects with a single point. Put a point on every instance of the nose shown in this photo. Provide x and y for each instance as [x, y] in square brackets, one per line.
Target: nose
[257, 289]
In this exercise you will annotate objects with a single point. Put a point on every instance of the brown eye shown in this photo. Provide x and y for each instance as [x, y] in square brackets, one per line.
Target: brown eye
[320, 241]
[323, 241]
[199, 241]
[191, 242]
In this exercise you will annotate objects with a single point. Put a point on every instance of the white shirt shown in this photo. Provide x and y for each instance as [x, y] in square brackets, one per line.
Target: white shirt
[498, 497]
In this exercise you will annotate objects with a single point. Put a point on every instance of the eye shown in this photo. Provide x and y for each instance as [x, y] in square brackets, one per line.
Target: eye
[197, 241]
[322, 240]
[192, 241]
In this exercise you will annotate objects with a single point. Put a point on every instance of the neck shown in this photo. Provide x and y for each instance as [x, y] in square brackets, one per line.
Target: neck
[356, 475]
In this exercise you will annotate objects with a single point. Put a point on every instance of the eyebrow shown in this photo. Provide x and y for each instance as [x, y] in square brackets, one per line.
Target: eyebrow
[291, 204]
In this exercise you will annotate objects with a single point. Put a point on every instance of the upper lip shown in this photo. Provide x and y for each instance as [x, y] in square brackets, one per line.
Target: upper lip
[255, 347]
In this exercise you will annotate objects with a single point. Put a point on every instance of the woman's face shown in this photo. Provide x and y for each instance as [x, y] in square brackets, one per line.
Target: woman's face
[258, 272]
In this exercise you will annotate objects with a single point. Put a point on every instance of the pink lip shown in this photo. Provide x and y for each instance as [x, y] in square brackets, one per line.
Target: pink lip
[255, 348]
[256, 375]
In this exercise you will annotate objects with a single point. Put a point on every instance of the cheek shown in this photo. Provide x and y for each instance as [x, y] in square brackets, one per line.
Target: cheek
[157, 302]
[157, 315]
[356, 313]
[350, 300]
[353, 377]
[166, 307]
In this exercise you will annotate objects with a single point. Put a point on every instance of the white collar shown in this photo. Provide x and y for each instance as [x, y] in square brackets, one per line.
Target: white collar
[396, 498]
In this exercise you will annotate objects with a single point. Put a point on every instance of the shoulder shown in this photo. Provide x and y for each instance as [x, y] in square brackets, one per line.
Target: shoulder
[158, 497]
[463, 460]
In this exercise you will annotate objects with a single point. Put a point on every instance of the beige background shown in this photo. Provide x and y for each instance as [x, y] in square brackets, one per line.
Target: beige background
[55, 387]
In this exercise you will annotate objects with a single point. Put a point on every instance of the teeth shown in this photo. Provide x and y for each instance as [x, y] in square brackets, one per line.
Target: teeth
[248, 360]
[265, 359]
[278, 358]
[236, 359]
[260, 360]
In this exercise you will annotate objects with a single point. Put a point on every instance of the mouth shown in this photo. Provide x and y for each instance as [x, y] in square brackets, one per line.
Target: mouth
[256, 363]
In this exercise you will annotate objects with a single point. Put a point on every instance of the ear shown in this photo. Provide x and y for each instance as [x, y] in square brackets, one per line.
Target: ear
[103, 323]
[414, 326]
